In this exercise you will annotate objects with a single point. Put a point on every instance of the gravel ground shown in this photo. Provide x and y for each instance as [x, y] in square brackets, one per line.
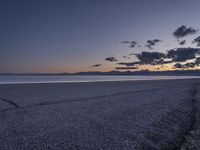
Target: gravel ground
[128, 115]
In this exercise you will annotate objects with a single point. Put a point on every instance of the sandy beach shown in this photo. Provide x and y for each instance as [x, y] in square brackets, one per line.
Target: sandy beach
[128, 115]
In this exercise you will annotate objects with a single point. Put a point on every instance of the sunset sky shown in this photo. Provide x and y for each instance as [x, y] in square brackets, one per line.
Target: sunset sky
[54, 36]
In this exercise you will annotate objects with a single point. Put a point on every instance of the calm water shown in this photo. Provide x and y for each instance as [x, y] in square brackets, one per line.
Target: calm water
[12, 79]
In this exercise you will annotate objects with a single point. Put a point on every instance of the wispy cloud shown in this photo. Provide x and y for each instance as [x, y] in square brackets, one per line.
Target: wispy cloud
[126, 68]
[132, 44]
[96, 65]
[111, 59]
[128, 63]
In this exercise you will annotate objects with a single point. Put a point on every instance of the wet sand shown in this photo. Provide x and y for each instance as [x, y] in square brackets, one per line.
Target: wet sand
[124, 115]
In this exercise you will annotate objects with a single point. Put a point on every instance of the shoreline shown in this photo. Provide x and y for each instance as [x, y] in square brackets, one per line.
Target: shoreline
[155, 78]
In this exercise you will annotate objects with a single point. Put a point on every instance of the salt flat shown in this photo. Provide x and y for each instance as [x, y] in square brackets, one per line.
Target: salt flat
[105, 115]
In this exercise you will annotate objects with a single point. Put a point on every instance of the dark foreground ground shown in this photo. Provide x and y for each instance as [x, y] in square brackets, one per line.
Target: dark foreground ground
[141, 115]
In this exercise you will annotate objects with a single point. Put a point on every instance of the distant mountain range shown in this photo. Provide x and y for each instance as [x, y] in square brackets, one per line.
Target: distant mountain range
[143, 72]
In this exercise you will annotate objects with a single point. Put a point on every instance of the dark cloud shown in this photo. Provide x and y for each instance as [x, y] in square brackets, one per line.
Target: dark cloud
[162, 62]
[150, 57]
[96, 65]
[125, 68]
[193, 64]
[197, 61]
[128, 64]
[178, 65]
[182, 54]
[111, 59]
[185, 66]
[151, 43]
[183, 31]
[131, 43]
[171, 56]
[182, 42]
[189, 64]
[197, 41]
[174, 55]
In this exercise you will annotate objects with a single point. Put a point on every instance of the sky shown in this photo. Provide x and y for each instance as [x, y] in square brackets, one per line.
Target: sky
[55, 36]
